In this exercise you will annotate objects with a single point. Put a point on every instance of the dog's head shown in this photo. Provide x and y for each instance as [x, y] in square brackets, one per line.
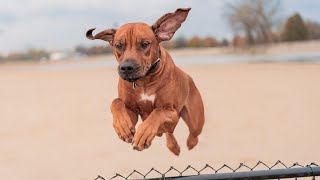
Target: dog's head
[136, 45]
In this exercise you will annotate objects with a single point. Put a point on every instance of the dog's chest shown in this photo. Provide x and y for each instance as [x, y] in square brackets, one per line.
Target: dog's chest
[145, 97]
[146, 103]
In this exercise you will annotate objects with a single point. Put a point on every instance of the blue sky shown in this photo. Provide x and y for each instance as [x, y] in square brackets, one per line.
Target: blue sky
[61, 24]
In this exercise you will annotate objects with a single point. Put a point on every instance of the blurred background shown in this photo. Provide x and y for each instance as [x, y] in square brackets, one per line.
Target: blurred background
[37, 30]
[255, 62]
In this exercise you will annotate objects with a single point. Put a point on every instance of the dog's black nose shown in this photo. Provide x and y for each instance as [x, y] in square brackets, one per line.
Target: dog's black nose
[127, 67]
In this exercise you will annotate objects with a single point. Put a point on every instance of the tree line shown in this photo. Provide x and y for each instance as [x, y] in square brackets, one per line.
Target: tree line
[31, 54]
[180, 42]
[259, 22]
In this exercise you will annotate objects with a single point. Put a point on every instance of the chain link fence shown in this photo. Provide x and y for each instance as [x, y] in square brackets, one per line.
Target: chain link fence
[261, 170]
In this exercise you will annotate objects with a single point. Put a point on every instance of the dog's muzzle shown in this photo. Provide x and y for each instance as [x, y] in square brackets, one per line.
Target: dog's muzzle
[129, 71]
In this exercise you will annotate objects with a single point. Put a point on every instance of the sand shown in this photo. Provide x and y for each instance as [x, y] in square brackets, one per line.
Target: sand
[56, 125]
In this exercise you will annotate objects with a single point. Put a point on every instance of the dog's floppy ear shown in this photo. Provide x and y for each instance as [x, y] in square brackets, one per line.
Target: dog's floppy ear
[168, 24]
[106, 35]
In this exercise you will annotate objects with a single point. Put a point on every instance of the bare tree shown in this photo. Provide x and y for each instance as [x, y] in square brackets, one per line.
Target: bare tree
[241, 20]
[254, 18]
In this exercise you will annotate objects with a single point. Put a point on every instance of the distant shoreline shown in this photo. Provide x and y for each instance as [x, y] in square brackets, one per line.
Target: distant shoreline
[291, 48]
[273, 48]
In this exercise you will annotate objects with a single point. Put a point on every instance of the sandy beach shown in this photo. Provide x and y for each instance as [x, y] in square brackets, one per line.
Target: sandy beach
[56, 124]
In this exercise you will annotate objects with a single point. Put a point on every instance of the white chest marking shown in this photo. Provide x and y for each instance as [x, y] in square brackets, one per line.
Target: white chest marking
[145, 97]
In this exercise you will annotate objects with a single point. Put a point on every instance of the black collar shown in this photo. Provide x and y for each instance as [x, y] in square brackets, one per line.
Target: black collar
[153, 67]
[155, 64]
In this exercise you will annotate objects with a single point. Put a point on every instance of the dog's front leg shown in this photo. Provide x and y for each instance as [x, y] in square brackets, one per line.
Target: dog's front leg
[167, 118]
[124, 120]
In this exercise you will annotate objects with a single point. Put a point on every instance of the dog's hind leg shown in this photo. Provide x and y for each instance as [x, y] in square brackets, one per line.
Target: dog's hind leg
[172, 144]
[193, 114]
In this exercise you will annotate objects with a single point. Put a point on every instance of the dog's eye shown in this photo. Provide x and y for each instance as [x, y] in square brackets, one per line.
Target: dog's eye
[144, 44]
[119, 46]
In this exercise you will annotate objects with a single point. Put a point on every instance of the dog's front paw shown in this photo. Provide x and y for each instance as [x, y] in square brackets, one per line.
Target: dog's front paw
[144, 136]
[124, 129]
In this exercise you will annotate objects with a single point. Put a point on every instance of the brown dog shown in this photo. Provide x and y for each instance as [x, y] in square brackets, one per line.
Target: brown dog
[151, 85]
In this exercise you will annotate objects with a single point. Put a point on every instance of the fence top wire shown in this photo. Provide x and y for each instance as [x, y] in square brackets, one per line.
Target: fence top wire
[224, 167]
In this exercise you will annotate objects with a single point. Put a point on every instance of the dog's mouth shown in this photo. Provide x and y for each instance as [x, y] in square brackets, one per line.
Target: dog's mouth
[131, 79]
[139, 73]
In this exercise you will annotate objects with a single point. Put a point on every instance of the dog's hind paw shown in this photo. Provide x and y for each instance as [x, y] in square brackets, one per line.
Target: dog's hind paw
[172, 144]
[192, 142]
[174, 149]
